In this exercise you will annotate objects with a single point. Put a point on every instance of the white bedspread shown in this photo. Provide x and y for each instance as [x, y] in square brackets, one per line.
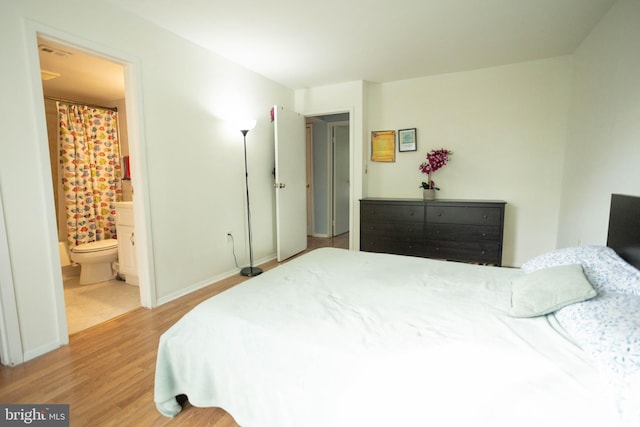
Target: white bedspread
[345, 338]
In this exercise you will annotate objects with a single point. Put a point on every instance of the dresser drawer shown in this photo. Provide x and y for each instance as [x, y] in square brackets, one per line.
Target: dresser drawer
[464, 215]
[481, 253]
[405, 231]
[374, 212]
[391, 246]
[469, 233]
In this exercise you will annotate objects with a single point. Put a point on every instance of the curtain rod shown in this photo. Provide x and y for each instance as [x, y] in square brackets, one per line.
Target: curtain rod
[80, 103]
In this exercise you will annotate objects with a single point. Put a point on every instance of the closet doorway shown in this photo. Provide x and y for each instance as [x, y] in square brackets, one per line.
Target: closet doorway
[330, 147]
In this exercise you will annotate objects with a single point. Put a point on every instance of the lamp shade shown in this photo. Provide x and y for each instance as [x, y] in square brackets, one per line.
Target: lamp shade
[246, 125]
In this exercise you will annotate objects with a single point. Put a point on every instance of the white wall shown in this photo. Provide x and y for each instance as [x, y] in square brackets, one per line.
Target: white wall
[506, 126]
[194, 162]
[603, 150]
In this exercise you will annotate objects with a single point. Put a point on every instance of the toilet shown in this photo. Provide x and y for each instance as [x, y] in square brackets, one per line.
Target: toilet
[96, 259]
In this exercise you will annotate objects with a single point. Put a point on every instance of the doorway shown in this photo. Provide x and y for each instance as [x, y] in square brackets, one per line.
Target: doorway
[75, 76]
[330, 143]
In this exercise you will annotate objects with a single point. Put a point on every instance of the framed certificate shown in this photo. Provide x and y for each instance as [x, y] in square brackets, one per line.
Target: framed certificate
[383, 146]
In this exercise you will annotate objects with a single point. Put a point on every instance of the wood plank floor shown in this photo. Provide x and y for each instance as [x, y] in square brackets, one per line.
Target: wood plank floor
[106, 372]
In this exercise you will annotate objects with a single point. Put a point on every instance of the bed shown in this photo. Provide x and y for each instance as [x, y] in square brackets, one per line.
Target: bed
[347, 338]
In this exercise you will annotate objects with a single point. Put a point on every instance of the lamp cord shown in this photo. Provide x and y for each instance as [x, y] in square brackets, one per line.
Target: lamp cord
[233, 250]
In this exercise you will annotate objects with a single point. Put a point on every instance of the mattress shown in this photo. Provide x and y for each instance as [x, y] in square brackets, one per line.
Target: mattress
[346, 338]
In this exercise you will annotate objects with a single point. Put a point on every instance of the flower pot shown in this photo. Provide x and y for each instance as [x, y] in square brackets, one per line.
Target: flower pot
[429, 194]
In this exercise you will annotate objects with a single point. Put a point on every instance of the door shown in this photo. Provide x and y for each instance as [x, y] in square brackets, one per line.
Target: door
[290, 183]
[340, 178]
[309, 143]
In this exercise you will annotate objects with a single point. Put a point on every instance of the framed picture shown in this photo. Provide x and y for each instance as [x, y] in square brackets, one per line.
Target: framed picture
[407, 140]
[383, 146]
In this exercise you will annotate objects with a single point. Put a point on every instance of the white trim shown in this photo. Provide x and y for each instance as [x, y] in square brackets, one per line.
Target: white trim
[51, 236]
[355, 163]
[311, 211]
[329, 199]
[133, 99]
[332, 172]
[212, 281]
[141, 202]
[137, 143]
[10, 340]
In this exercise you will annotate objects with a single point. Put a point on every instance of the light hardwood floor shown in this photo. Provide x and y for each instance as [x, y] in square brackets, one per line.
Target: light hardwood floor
[106, 372]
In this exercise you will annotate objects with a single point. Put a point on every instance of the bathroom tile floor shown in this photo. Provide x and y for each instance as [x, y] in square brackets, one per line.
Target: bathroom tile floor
[89, 305]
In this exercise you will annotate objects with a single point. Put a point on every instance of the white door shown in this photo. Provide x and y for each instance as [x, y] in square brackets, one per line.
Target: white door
[340, 178]
[290, 183]
[309, 138]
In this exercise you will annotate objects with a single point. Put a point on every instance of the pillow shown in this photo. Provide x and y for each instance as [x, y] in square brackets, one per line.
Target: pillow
[548, 290]
[608, 329]
[602, 266]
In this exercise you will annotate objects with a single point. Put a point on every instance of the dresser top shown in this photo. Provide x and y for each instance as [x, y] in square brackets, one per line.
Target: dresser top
[416, 200]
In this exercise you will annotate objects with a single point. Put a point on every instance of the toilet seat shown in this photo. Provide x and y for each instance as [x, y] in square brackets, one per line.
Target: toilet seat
[97, 246]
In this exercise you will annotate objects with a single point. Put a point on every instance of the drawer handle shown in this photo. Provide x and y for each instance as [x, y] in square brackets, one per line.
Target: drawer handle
[132, 239]
[484, 234]
[485, 216]
[483, 252]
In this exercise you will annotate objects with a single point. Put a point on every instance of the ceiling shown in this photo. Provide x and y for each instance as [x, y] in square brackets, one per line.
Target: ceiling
[302, 43]
[81, 76]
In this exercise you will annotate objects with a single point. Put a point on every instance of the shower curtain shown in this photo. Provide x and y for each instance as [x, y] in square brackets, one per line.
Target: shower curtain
[91, 172]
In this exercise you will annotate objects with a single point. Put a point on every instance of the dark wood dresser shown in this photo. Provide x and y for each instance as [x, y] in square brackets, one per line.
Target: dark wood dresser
[455, 230]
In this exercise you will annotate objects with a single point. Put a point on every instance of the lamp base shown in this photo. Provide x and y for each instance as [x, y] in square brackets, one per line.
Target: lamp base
[250, 271]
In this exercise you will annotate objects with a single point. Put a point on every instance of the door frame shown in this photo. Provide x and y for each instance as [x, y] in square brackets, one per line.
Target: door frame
[10, 339]
[332, 172]
[311, 224]
[352, 197]
[137, 148]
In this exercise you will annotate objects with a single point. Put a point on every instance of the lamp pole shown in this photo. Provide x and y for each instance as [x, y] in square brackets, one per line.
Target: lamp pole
[251, 270]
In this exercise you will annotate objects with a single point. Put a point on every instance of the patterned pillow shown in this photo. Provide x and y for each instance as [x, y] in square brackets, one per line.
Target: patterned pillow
[608, 329]
[606, 271]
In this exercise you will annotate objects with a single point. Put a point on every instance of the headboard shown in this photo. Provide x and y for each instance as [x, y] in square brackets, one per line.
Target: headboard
[624, 228]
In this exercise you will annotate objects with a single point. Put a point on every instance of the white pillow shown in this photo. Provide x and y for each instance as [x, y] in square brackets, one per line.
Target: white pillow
[545, 291]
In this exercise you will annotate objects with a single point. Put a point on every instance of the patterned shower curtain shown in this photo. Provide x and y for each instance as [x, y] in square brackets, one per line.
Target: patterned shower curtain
[91, 173]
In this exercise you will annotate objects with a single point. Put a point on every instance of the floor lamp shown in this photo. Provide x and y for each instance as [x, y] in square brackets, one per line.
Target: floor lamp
[251, 270]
